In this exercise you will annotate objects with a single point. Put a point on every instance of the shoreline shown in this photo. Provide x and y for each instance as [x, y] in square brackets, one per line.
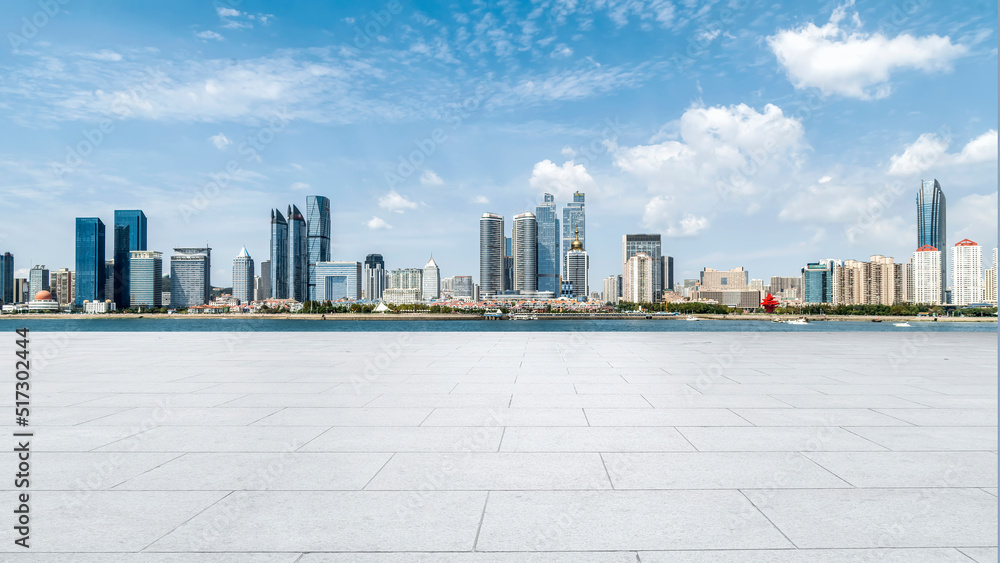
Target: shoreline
[470, 317]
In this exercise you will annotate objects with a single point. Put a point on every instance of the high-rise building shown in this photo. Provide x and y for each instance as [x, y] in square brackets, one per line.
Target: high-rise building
[612, 289]
[278, 271]
[574, 216]
[723, 280]
[265, 280]
[877, 282]
[338, 280]
[430, 287]
[668, 273]
[374, 278]
[298, 255]
[650, 245]
[548, 244]
[966, 273]
[7, 279]
[637, 278]
[491, 254]
[146, 278]
[756, 284]
[129, 234]
[817, 283]
[109, 280]
[21, 290]
[61, 286]
[90, 274]
[462, 286]
[243, 275]
[525, 239]
[409, 280]
[258, 289]
[190, 277]
[786, 287]
[318, 220]
[927, 276]
[38, 279]
[931, 225]
[990, 282]
[577, 268]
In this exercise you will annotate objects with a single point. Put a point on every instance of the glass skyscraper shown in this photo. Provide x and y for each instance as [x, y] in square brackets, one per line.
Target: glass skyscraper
[817, 282]
[190, 277]
[298, 256]
[243, 277]
[548, 245]
[525, 238]
[129, 235]
[491, 254]
[38, 280]
[651, 245]
[374, 277]
[574, 216]
[318, 221]
[338, 280]
[278, 272]
[90, 275]
[145, 278]
[931, 224]
[6, 278]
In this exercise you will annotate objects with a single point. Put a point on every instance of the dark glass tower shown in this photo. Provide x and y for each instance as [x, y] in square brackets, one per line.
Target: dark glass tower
[931, 224]
[574, 216]
[298, 256]
[491, 254]
[548, 245]
[132, 224]
[318, 220]
[279, 256]
[6, 278]
[90, 276]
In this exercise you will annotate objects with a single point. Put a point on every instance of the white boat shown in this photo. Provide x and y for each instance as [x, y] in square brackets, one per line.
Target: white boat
[901, 324]
[800, 321]
[692, 318]
[523, 317]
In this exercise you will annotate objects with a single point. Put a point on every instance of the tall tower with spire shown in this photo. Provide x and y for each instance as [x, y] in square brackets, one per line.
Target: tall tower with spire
[298, 256]
[243, 272]
[431, 284]
[577, 269]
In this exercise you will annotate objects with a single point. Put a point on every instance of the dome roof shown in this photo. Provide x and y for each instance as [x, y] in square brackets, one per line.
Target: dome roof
[43, 296]
[577, 245]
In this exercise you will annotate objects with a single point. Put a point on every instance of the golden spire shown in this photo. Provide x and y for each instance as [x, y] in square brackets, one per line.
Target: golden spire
[577, 245]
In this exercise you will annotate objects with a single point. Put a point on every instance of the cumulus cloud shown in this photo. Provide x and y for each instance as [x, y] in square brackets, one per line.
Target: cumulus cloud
[105, 55]
[839, 59]
[376, 223]
[561, 51]
[220, 141]
[208, 35]
[395, 202]
[930, 150]
[481, 200]
[974, 217]
[561, 181]
[659, 214]
[430, 178]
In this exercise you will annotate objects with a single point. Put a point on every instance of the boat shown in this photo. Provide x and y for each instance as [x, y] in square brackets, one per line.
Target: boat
[876, 320]
[798, 321]
[523, 317]
[905, 324]
[692, 318]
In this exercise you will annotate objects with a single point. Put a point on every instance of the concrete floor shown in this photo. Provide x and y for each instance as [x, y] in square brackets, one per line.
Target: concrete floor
[509, 447]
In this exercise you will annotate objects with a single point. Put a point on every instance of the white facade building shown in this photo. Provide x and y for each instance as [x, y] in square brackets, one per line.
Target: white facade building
[966, 273]
[431, 284]
[927, 276]
[637, 283]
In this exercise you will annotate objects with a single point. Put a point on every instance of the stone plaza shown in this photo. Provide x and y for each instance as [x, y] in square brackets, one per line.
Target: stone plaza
[574, 447]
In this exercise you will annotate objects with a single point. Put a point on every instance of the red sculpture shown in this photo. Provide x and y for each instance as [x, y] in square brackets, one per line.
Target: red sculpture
[770, 303]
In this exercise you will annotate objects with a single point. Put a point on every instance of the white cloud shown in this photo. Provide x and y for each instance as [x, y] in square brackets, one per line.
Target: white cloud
[974, 217]
[208, 34]
[481, 200]
[659, 215]
[839, 59]
[220, 141]
[226, 12]
[430, 178]
[561, 181]
[561, 51]
[689, 226]
[376, 223]
[300, 186]
[825, 179]
[105, 55]
[395, 202]
[931, 151]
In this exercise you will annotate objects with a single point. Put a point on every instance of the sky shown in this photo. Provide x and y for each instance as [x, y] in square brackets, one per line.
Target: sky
[747, 133]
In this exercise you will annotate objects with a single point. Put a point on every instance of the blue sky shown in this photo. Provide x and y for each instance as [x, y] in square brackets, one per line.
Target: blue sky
[753, 134]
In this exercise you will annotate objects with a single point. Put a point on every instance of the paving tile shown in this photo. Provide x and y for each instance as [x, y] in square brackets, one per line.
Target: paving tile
[332, 521]
[615, 520]
[929, 438]
[775, 439]
[848, 518]
[911, 469]
[981, 554]
[579, 401]
[818, 417]
[306, 416]
[215, 439]
[696, 400]
[944, 417]
[593, 439]
[946, 555]
[520, 557]
[407, 439]
[664, 417]
[505, 417]
[491, 471]
[710, 470]
[184, 416]
[87, 471]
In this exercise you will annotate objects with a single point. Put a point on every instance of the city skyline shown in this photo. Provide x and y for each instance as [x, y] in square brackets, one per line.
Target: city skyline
[566, 111]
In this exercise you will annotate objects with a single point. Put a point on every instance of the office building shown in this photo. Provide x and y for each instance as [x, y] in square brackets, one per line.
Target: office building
[298, 255]
[990, 281]
[491, 254]
[21, 290]
[7, 279]
[129, 234]
[667, 273]
[638, 278]
[90, 274]
[549, 237]
[508, 265]
[574, 216]
[756, 284]
[258, 289]
[243, 276]
[430, 285]
[145, 279]
[927, 276]
[278, 270]
[966, 273]
[650, 245]
[409, 279]
[524, 237]
[265, 280]
[375, 281]
[340, 280]
[746, 299]
[109, 281]
[318, 221]
[932, 225]
[612, 289]
[817, 283]
[61, 286]
[722, 280]
[38, 279]
[190, 277]
[786, 287]
[401, 296]
[577, 270]
[462, 287]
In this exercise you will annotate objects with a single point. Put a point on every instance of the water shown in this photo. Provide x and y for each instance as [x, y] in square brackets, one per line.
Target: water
[112, 324]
